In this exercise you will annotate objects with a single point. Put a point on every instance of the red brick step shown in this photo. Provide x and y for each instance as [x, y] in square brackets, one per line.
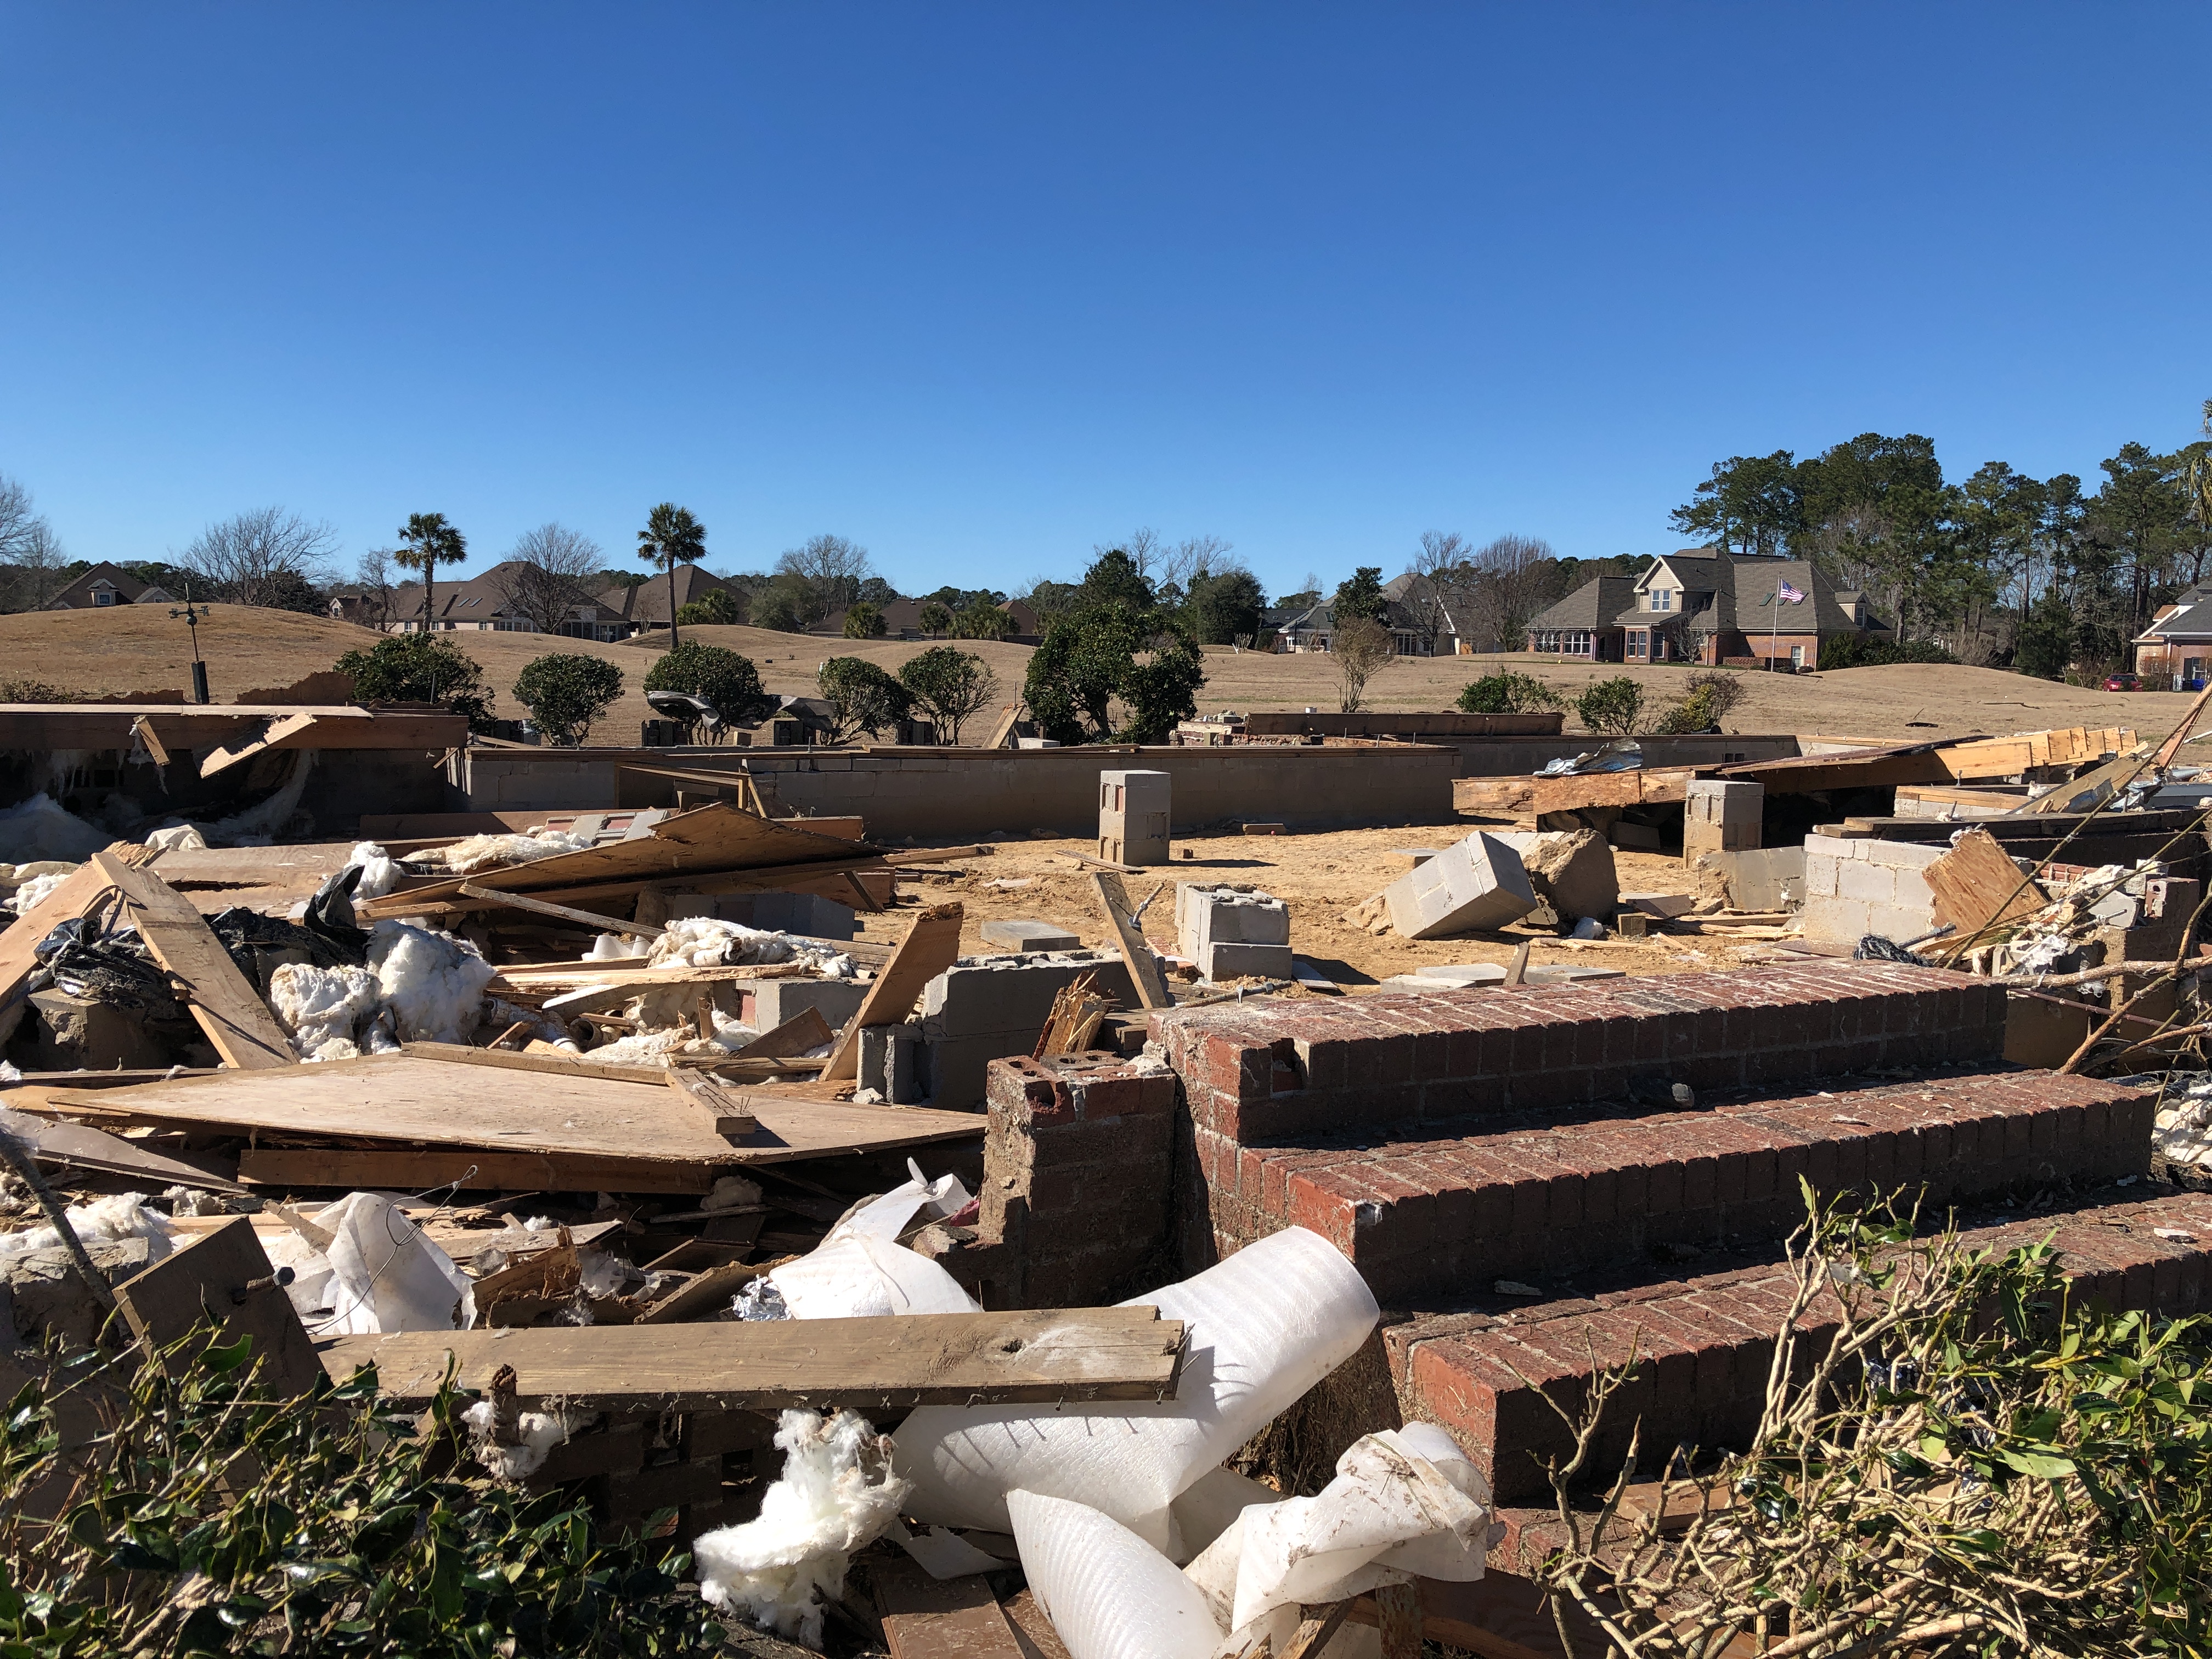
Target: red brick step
[1707, 1342]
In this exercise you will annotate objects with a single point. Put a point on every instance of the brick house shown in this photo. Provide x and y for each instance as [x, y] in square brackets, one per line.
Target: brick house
[486, 604]
[1705, 605]
[2177, 647]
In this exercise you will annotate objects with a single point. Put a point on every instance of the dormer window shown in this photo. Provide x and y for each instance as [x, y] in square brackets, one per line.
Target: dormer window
[103, 596]
[1663, 599]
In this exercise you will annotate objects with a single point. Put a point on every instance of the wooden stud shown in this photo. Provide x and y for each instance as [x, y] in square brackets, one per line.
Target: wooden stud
[931, 946]
[721, 1111]
[1144, 967]
[566, 913]
[226, 1008]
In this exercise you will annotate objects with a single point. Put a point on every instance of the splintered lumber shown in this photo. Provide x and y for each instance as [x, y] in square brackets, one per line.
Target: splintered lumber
[575, 1132]
[1846, 769]
[1640, 786]
[143, 731]
[1144, 967]
[1002, 727]
[931, 945]
[556, 1063]
[721, 1111]
[288, 725]
[926, 1618]
[807, 1029]
[50, 725]
[227, 1009]
[590, 918]
[1070, 1354]
[2023, 751]
[1977, 886]
[710, 846]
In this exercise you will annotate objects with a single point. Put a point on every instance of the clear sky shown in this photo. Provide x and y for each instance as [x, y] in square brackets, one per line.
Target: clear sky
[981, 285]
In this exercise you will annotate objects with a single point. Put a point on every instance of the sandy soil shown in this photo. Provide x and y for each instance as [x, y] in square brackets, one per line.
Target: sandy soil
[1319, 876]
[140, 648]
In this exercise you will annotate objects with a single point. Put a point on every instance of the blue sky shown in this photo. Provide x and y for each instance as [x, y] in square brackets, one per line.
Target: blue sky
[982, 285]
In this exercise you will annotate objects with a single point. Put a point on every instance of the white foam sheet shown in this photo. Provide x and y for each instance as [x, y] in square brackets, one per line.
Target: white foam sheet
[386, 1275]
[1264, 1327]
[1108, 1593]
[1209, 1506]
[860, 1270]
[1404, 1503]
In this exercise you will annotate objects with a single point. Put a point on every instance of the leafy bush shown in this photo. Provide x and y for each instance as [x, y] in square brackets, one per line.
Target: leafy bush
[864, 621]
[1711, 693]
[865, 698]
[983, 621]
[420, 668]
[717, 607]
[32, 691]
[1088, 663]
[1614, 707]
[1507, 693]
[567, 693]
[729, 683]
[1863, 651]
[949, 686]
[935, 617]
[218, 1519]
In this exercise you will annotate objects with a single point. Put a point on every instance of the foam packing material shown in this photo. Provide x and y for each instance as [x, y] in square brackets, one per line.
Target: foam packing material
[860, 1270]
[1263, 1328]
[1108, 1593]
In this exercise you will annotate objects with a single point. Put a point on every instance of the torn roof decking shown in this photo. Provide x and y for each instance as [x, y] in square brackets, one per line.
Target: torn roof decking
[625, 1136]
[693, 847]
[42, 727]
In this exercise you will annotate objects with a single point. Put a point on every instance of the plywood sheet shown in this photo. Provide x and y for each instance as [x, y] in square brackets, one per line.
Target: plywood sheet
[398, 1098]
[1070, 1354]
[1977, 886]
[224, 1004]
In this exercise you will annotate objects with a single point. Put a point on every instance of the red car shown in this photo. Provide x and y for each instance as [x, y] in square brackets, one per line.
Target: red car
[2122, 682]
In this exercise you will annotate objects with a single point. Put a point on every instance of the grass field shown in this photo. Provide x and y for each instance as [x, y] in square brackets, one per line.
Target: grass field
[141, 649]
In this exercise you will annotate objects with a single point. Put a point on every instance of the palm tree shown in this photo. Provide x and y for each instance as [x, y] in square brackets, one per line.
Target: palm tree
[431, 541]
[672, 537]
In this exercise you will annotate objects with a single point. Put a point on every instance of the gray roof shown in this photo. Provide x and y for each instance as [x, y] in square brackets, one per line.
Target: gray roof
[1591, 606]
[1728, 593]
[2193, 620]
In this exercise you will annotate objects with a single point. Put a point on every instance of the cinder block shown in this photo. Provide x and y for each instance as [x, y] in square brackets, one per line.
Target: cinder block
[887, 1062]
[1838, 918]
[1901, 854]
[775, 1001]
[979, 994]
[1133, 816]
[809, 913]
[1720, 816]
[1017, 934]
[1821, 876]
[1223, 959]
[1208, 917]
[1472, 883]
[1873, 883]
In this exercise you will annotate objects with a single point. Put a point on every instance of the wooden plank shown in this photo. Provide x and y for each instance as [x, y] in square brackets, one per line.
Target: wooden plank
[1055, 1354]
[429, 1169]
[79, 891]
[1002, 727]
[1977, 886]
[271, 735]
[224, 1278]
[625, 1133]
[507, 1060]
[142, 731]
[716, 1285]
[226, 1008]
[807, 1029]
[931, 945]
[721, 1111]
[80, 1146]
[306, 864]
[926, 1618]
[714, 839]
[540, 907]
[1500, 1615]
[1144, 967]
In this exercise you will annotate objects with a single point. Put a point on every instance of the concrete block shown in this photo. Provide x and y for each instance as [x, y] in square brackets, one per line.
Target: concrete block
[1223, 959]
[1836, 919]
[980, 994]
[1572, 871]
[1720, 816]
[1472, 883]
[1025, 935]
[1133, 816]
[1820, 875]
[1770, 877]
[1207, 914]
[1901, 854]
[888, 1062]
[782, 912]
[1871, 884]
[1459, 974]
[772, 1001]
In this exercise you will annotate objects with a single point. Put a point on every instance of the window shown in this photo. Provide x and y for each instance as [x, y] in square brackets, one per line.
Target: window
[1796, 656]
[103, 596]
[1663, 599]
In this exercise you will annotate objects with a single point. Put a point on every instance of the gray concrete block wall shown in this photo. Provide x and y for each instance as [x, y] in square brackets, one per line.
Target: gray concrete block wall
[985, 1008]
[1854, 887]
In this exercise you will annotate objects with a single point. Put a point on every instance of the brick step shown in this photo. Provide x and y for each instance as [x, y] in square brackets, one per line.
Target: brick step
[1707, 1342]
[1427, 1218]
[1259, 1074]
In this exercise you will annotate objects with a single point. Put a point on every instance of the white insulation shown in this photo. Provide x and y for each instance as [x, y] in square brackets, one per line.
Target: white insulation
[107, 1220]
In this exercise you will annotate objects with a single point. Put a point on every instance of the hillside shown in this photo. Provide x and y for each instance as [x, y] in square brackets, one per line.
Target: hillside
[141, 649]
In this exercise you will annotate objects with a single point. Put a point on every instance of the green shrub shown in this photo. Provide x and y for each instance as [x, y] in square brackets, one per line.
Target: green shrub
[864, 621]
[567, 693]
[950, 686]
[1508, 693]
[717, 607]
[1614, 707]
[729, 683]
[420, 668]
[983, 621]
[865, 698]
[1708, 694]
[935, 618]
[218, 1519]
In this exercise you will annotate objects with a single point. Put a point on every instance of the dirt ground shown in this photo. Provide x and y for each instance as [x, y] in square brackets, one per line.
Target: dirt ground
[140, 648]
[1320, 876]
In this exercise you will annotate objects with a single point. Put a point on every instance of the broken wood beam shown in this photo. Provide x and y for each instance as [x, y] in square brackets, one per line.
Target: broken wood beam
[931, 946]
[1071, 1354]
[721, 1111]
[565, 912]
[1144, 967]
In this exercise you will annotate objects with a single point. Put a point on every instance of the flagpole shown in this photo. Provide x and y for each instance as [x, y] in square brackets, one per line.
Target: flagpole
[1774, 638]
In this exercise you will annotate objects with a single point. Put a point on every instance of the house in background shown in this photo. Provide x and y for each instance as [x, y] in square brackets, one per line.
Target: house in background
[1705, 605]
[105, 585]
[1422, 601]
[642, 609]
[486, 604]
[2177, 647]
[1311, 629]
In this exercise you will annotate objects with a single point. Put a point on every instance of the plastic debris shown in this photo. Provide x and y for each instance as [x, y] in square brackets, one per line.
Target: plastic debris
[1262, 1327]
[378, 1273]
[1110, 1594]
[837, 1494]
[942, 1554]
[41, 828]
[860, 1270]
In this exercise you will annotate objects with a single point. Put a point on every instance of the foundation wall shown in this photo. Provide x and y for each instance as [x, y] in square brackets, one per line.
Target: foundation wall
[936, 793]
[1517, 757]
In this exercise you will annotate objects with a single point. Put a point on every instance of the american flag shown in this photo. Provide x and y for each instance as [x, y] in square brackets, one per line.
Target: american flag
[1789, 594]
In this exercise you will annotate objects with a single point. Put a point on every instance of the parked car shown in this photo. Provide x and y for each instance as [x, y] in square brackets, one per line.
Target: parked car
[2123, 683]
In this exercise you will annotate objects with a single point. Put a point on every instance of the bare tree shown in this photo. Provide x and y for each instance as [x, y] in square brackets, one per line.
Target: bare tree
[262, 557]
[1161, 562]
[379, 600]
[1361, 649]
[1438, 599]
[31, 557]
[832, 567]
[1510, 584]
[551, 571]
